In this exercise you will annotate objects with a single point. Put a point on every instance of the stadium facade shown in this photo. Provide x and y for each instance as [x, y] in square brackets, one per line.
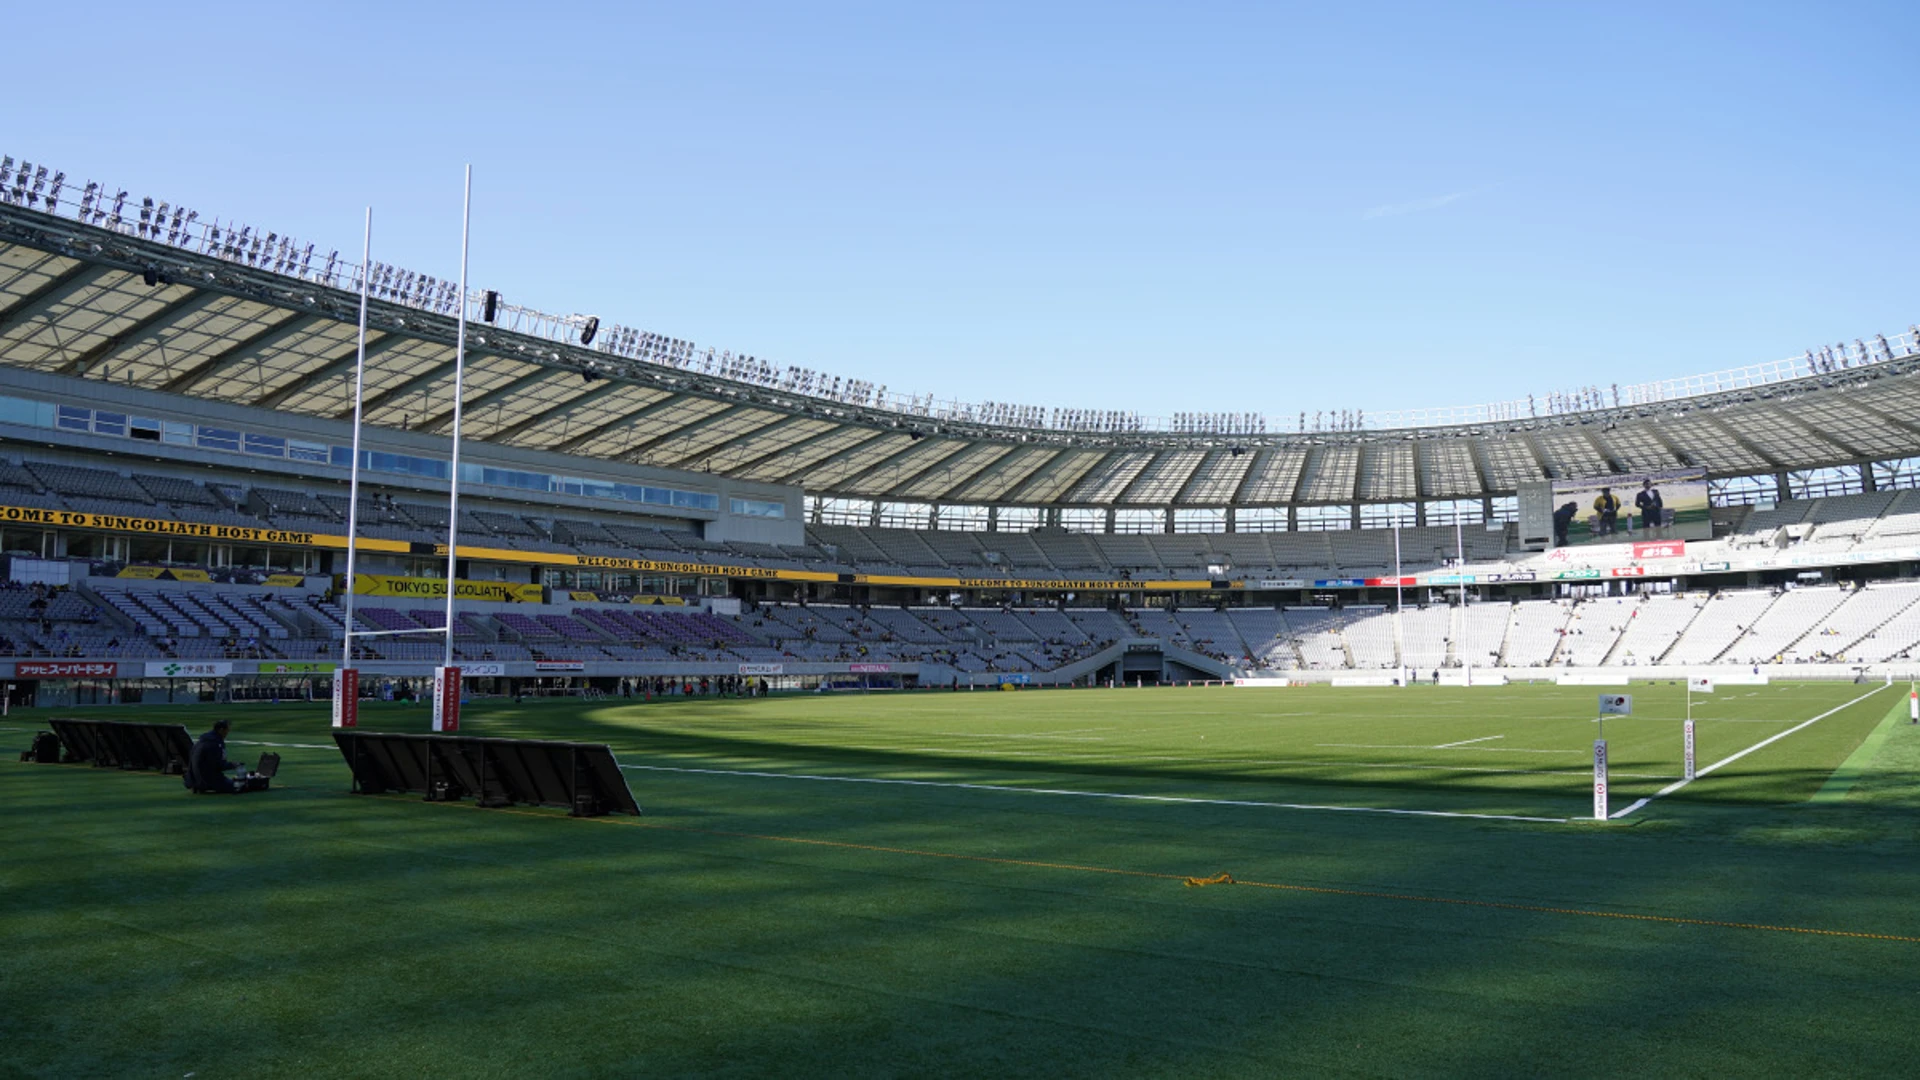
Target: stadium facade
[175, 397]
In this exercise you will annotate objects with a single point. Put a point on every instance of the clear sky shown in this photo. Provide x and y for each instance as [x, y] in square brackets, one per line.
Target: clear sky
[1160, 207]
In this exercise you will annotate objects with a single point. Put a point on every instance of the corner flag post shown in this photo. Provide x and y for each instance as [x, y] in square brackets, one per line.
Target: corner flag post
[1618, 705]
[1704, 684]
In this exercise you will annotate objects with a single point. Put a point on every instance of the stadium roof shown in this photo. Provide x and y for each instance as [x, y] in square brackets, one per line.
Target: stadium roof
[187, 312]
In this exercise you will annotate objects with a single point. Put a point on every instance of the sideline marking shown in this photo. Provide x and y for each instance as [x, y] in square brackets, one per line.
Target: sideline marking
[1324, 890]
[1185, 800]
[1730, 759]
[1466, 742]
[991, 735]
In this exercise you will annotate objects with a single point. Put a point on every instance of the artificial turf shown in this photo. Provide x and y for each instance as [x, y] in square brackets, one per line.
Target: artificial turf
[788, 906]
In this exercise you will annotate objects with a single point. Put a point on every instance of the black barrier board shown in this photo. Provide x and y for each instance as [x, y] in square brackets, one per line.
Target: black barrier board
[125, 744]
[584, 778]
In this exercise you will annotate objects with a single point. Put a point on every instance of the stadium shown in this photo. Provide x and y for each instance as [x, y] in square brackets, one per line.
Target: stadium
[900, 735]
[789, 525]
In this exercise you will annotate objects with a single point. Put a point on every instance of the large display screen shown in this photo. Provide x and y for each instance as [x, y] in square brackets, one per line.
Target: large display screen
[1630, 508]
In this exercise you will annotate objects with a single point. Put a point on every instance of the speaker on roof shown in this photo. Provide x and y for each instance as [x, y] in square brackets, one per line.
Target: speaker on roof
[587, 331]
[491, 306]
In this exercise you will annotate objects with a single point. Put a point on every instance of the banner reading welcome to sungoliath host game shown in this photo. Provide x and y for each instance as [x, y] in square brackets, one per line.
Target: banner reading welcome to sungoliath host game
[258, 535]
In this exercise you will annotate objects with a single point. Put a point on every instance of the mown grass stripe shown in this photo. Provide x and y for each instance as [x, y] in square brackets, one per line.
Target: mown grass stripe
[1324, 890]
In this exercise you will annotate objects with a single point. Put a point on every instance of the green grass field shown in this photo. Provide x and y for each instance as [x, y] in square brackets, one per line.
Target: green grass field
[995, 884]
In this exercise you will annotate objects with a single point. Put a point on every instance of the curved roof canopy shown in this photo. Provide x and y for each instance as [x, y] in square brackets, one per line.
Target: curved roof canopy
[76, 299]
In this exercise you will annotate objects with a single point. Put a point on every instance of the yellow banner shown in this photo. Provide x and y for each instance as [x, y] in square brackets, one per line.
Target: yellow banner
[1058, 585]
[74, 519]
[163, 573]
[285, 581]
[436, 589]
[579, 597]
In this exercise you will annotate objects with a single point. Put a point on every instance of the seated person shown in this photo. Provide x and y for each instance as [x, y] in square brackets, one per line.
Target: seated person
[207, 768]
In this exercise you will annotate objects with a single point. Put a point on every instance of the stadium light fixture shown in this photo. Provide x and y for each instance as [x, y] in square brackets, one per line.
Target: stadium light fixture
[587, 331]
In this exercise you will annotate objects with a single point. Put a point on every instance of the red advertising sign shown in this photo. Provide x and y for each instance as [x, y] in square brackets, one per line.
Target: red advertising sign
[64, 669]
[1627, 571]
[1660, 549]
[446, 699]
[1392, 581]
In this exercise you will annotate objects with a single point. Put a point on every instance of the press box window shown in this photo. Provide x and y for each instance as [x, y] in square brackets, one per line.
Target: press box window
[218, 439]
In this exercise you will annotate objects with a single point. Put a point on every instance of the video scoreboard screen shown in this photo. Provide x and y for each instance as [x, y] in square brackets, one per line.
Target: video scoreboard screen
[1619, 509]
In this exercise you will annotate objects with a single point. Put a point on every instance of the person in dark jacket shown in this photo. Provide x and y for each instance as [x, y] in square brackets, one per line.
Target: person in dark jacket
[206, 773]
[1562, 520]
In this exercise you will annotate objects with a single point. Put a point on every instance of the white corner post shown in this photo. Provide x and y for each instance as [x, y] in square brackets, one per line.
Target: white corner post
[1599, 779]
[1460, 576]
[1399, 636]
[346, 680]
[446, 678]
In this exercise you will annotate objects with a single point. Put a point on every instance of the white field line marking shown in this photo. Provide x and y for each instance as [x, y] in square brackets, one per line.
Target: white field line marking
[990, 735]
[294, 745]
[1464, 742]
[1123, 757]
[1098, 794]
[1451, 746]
[1730, 759]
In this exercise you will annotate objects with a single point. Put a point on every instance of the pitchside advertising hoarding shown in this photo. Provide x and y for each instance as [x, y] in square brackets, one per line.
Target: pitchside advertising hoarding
[346, 698]
[446, 699]
[1625, 508]
[64, 669]
[188, 669]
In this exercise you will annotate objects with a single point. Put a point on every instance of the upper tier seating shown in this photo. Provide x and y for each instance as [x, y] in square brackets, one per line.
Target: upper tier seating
[73, 480]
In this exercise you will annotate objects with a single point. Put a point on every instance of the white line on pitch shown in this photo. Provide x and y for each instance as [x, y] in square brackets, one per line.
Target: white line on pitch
[1464, 742]
[992, 735]
[293, 745]
[1096, 794]
[1454, 746]
[1730, 759]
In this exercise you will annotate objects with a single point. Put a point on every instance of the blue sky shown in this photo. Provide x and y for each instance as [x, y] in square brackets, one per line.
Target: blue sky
[1262, 207]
